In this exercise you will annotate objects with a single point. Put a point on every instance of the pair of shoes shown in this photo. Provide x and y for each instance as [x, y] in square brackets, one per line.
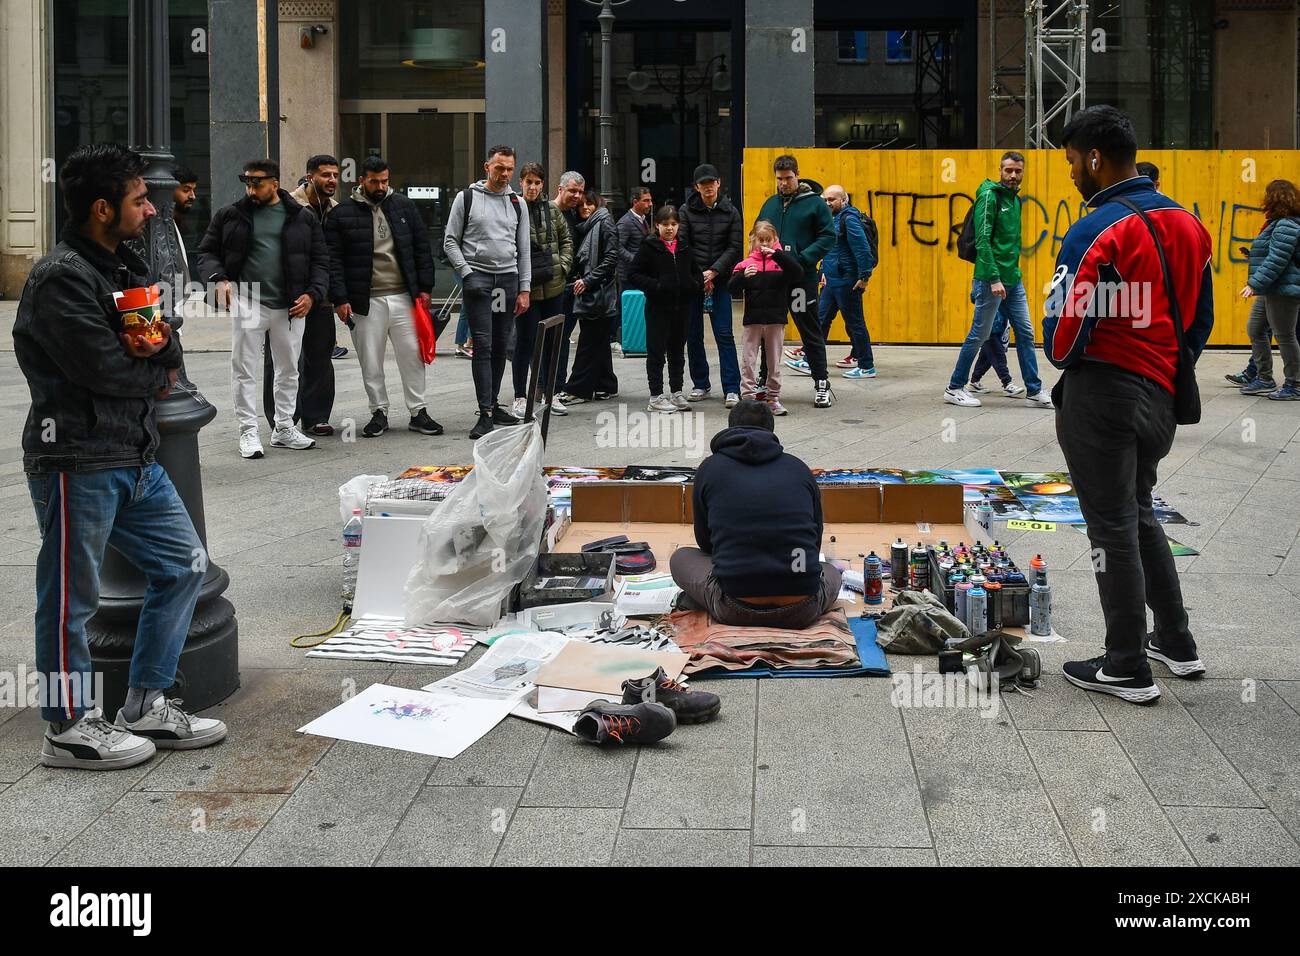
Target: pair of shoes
[324, 429]
[798, 366]
[339, 352]
[502, 417]
[661, 403]
[651, 709]
[698, 395]
[777, 408]
[482, 426]
[377, 425]
[732, 400]
[250, 444]
[1260, 386]
[1137, 689]
[847, 362]
[616, 348]
[856, 372]
[959, 396]
[1241, 378]
[1039, 399]
[92, 743]
[1289, 392]
[465, 351]
[422, 423]
[823, 397]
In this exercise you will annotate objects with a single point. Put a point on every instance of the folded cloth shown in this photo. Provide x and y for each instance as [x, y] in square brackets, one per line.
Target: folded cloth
[918, 623]
[828, 642]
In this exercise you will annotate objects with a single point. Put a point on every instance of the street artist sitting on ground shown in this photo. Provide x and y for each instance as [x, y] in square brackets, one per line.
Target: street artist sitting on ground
[758, 523]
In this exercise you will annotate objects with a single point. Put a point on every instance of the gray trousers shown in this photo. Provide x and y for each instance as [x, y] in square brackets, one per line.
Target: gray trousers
[692, 569]
[1276, 314]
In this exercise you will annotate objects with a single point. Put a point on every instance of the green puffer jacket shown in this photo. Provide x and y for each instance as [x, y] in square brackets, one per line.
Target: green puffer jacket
[550, 230]
[803, 224]
[1275, 258]
[997, 233]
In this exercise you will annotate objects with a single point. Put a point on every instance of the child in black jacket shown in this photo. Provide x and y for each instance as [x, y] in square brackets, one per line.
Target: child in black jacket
[667, 273]
[765, 278]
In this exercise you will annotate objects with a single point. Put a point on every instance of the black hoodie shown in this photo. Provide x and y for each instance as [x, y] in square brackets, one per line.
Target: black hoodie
[758, 512]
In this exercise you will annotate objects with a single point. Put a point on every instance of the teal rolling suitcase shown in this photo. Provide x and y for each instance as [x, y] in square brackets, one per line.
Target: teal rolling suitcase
[633, 305]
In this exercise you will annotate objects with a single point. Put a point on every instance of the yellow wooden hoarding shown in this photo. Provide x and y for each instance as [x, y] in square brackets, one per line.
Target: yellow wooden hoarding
[920, 291]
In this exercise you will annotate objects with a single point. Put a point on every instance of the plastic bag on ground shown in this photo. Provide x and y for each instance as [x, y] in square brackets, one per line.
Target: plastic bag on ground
[483, 539]
[355, 492]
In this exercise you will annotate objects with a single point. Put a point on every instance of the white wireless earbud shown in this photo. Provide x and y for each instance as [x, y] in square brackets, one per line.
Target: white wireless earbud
[1094, 162]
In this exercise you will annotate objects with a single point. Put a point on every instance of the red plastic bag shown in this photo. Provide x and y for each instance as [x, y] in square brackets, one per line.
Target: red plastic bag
[424, 331]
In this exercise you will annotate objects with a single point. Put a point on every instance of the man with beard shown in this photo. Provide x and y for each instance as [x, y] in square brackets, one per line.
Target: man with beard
[1109, 323]
[997, 287]
[275, 250]
[183, 199]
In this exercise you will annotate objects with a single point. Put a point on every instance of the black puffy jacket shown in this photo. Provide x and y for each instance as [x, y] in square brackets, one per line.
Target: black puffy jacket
[668, 279]
[350, 235]
[224, 248]
[92, 403]
[716, 236]
[767, 293]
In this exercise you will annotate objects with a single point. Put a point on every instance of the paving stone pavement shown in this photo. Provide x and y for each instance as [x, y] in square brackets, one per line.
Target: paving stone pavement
[804, 772]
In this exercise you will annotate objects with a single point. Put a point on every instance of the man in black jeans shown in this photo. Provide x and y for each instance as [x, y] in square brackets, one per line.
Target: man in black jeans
[487, 243]
[1110, 325]
[758, 524]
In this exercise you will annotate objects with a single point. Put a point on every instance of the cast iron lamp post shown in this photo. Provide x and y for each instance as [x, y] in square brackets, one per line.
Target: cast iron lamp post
[606, 20]
[209, 666]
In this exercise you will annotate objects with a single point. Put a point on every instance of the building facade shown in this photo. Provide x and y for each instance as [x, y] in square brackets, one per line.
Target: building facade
[429, 83]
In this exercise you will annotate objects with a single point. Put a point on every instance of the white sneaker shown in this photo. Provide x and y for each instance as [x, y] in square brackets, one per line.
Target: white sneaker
[250, 445]
[1013, 389]
[1039, 399]
[661, 403]
[959, 396]
[92, 743]
[697, 395]
[681, 401]
[975, 388]
[777, 408]
[732, 400]
[290, 437]
[569, 400]
[616, 349]
[170, 728]
[557, 406]
[518, 407]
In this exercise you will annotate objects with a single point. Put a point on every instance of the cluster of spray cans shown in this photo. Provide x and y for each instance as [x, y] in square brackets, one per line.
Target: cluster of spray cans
[987, 590]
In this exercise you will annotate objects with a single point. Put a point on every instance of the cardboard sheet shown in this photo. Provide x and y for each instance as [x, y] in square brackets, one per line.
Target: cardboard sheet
[601, 669]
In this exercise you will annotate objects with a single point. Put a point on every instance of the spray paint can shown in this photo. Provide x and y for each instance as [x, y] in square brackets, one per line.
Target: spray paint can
[1037, 562]
[994, 601]
[1040, 605]
[920, 567]
[977, 611]
[961, 594]
[872, 586]
[898, 564]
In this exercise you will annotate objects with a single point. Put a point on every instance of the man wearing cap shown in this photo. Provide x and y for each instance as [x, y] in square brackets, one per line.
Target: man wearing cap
[713, 232]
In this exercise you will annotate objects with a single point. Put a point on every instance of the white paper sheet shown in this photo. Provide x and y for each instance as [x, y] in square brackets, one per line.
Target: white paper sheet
[439, 725]
[552, 700]
[526, 709]
[389, 548]
[507, 671]
[646, 595]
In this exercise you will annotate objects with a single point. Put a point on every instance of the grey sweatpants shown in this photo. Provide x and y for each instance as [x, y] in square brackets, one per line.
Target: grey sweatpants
[692, 569]
[1275, 313]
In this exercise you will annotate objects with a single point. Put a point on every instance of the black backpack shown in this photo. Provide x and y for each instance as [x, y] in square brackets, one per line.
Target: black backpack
[869, 227]
[966, 240]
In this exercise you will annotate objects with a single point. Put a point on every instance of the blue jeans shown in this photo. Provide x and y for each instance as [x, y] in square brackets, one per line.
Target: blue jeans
[993, 353]
[720, 319]
[139, 513]
[1015, 309]
[847, 301]
[462, 326]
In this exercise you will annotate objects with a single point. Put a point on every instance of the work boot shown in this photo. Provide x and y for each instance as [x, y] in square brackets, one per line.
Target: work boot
[645, 723]
[689, 706]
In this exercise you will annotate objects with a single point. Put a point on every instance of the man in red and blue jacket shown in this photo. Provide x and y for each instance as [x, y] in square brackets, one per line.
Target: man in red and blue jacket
[1109, 325]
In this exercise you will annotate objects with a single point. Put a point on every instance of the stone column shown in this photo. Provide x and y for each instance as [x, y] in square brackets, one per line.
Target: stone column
[26, 174]
[308, 85]
[514, 38]
[241, 98]
[779, 73]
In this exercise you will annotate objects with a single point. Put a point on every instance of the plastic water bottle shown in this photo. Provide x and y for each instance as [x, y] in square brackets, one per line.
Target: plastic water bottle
[351, 556]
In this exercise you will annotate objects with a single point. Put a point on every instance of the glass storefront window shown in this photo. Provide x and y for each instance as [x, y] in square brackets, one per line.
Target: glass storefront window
[410, 49]
[89, 41]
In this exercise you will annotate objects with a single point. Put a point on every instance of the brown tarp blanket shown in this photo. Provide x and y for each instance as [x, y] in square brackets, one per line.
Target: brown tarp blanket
[827, 643]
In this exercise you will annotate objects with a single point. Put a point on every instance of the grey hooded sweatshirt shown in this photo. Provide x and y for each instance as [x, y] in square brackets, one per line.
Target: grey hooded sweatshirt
[493, 240]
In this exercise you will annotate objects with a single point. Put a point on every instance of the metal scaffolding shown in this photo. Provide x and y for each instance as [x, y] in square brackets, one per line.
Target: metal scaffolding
[1053, 68]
